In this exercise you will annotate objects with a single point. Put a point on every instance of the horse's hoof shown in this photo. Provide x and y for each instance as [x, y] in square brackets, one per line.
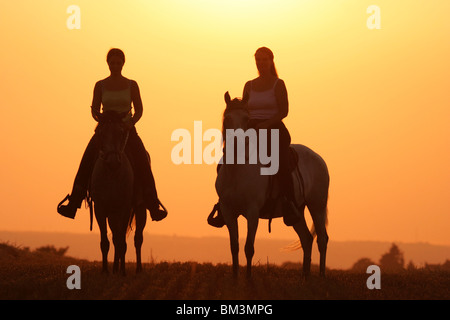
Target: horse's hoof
[216, 221]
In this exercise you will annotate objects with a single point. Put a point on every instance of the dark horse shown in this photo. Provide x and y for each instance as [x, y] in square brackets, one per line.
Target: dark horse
[112, 192]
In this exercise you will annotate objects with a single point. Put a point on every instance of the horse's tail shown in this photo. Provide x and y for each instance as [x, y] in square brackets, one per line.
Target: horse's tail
[132, 221]
[297, 245]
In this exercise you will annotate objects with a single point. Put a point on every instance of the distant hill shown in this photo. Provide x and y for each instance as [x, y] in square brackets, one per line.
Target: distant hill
[157, 248]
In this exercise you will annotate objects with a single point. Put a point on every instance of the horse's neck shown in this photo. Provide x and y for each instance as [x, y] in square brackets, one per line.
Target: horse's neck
[117, 176]
[241, 173]
[241, 186]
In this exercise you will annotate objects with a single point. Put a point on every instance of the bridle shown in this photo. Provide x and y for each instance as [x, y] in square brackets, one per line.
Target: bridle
[105, 155]
[110, 119]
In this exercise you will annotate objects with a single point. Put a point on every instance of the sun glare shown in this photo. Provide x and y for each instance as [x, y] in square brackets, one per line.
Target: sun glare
[235, 13]
[252, 10]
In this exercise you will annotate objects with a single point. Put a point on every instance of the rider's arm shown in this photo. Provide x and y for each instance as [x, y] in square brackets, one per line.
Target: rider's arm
[283, 105]
[137, 102]
[246, 89]
[96, 100]
[282, 100]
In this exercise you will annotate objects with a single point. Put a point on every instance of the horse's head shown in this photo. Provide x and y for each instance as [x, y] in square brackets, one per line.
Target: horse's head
[113, 135]
[235, 115]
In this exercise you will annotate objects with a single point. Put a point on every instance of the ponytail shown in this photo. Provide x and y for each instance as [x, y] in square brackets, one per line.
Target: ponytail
[267, 51]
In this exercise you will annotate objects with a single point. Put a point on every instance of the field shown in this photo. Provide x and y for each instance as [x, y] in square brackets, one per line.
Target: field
[43, 275]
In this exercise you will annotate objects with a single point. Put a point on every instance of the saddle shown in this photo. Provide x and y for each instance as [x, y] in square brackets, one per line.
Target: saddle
[274, 196]
[138, 197]
[293, 159]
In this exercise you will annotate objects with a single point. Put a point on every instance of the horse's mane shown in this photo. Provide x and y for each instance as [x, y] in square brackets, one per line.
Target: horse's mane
[233, 105]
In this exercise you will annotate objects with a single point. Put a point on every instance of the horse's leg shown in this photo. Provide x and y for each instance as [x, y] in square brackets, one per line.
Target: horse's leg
[306, 240]
[319, 216]
[123, 249]
[232, 226]
[104, 242]
[120, 248]
[252, 227]
[116, 251]
[113, 225]
[122, 243]
[141, 219]
[234, 245]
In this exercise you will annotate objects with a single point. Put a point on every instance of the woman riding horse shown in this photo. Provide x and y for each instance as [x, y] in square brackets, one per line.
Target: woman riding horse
[116, 93]
[268, 106]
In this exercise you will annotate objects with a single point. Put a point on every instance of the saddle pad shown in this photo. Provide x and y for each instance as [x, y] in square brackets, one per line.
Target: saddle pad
[268, 210]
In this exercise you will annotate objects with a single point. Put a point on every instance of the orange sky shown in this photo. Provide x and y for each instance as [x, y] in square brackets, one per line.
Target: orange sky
[373, 103]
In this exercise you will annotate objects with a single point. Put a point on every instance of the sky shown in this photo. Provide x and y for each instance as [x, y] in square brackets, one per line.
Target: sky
[367, 80]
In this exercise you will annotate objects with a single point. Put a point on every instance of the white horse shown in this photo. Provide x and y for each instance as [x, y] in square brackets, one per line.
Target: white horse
[243, 190]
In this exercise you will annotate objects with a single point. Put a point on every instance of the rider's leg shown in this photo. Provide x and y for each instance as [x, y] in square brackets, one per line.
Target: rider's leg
[80, 184]
[143, 171]
[290, 212]
[283, 172]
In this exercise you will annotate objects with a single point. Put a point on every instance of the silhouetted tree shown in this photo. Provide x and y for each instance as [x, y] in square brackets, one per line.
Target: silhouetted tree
[411, 266]
[438, 267]
[362, 264]
[392, 261]
[52, 250]
[446, 265]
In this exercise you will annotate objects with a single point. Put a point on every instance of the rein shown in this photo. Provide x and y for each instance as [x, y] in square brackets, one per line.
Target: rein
[105, 155]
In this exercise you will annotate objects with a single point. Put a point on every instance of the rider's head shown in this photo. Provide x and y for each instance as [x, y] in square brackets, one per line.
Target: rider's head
[264, 62]
[115, 60]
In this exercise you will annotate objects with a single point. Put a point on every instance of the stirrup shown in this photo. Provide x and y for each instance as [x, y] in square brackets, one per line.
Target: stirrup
[290, 216]
[66, 210]
[217, 221]
[159, 214]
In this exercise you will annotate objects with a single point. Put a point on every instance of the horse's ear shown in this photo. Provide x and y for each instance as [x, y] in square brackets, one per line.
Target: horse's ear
[227, 98]
[245, 99]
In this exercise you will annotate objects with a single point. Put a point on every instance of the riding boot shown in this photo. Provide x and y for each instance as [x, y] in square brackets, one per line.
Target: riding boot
[80, 184]
[291, 214]
[75, 200]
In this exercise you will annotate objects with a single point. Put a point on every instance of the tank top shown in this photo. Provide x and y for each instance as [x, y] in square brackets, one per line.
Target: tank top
[262, 104]
[117, 100]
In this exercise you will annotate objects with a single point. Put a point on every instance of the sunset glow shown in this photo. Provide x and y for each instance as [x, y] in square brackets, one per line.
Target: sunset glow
[374, 103]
